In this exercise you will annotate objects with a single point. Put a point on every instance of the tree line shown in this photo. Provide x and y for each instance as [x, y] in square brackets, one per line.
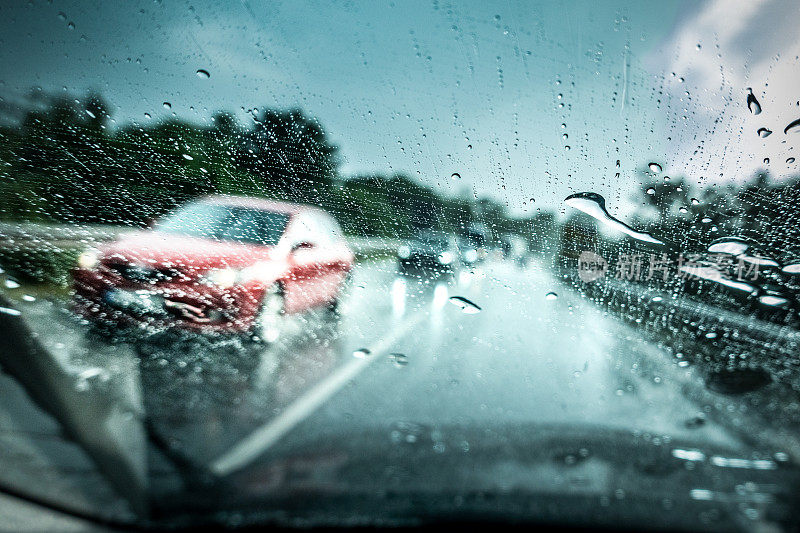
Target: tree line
[65, 160]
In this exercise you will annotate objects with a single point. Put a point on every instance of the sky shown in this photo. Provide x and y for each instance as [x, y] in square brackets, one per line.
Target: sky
[527, 102]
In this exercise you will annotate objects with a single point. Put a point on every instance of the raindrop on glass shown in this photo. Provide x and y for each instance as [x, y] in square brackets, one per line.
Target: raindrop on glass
[594, 205]
[655, 168]
[729, 245]
[793, 126]
[551, 296]
[752, 103]
[794, 268]
[202, 73]
[455, 176]
[764, 132]
[466, 306]
[361, 353]
[400, 360]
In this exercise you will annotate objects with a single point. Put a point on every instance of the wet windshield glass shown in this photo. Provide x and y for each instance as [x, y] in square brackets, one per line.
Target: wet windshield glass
[226, 223]
[384, 263]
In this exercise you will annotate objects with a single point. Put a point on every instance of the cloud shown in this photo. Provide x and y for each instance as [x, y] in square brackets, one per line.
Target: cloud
[709, 62]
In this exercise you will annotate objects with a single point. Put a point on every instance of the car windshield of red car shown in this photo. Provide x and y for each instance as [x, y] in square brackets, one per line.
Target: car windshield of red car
[226, 223]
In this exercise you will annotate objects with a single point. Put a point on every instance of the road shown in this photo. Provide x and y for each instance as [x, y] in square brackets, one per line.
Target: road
[222, 407]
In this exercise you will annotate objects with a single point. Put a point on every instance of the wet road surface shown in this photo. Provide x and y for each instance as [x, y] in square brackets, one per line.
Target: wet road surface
[399, 355]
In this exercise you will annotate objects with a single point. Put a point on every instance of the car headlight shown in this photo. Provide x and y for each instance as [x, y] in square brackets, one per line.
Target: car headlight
[222, 277]
[446, 258]
[404, 252]
[89, 259]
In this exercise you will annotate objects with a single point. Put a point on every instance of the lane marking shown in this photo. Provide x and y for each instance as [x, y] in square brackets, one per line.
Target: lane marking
[251, 447]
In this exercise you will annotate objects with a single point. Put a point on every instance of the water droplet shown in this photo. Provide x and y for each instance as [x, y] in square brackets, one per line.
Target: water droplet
[71, 26]
[147, 115]
[764, 132]
[766, 160]
[361, 353]
[752, 103]
[466, 306]
[400, 360]
[551, 296]
[594, 205]
[773, 300]
[695, 201]
[655, 168]
[455, 176]
[9, 311]
[11, 284]
[167, 105]
[793, 126]
[92, 115]
[202, 73]
[794, 268]
[62, 15]
[188, 157]
[651, 191]
[760, 260]
[28, 298]
[790, 160]
[706, 220]
[729, 245]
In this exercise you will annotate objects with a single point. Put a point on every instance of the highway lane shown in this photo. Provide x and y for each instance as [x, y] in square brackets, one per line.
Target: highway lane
[225, 406]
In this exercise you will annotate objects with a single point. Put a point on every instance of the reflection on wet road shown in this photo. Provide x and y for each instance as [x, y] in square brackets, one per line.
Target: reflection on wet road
[400, 352]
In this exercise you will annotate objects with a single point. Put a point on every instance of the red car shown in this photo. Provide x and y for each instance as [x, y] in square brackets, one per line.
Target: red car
[218, 264]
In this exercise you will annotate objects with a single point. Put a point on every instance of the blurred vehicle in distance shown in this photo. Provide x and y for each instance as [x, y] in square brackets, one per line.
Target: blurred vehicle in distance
[219, 264]
[429, 253]
[515, 248]
[474, 244]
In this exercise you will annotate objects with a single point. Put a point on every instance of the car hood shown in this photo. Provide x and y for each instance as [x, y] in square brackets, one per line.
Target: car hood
[161, 249]
[409, 473]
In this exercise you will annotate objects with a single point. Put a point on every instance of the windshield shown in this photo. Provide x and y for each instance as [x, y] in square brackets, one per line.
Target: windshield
[382, 263]
[226, 223]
